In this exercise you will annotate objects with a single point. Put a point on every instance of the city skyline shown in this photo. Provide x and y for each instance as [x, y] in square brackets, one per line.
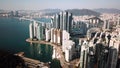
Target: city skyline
[57, 4]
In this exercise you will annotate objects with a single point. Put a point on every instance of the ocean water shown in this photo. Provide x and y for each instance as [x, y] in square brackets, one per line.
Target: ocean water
[13, 34]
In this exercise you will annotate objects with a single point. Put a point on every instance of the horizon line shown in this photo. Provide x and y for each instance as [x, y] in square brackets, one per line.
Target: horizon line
[60, 9]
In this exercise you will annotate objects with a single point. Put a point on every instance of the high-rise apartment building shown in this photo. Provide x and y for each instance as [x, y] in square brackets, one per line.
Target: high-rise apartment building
[112, 58]
[79, 27]
[56, 21]
[47, 34]
[65, 37]
[16, 13]
[56, 36]
[69, 50]
[84, 55]
[36, 31]
[39, 31]
[106, 24]
[31, 31]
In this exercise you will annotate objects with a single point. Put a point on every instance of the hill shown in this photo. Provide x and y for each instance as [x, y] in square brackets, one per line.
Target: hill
[106, 10]
[81, 12]
[76, 12]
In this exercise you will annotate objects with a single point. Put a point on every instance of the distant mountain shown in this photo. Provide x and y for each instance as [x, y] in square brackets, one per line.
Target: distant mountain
[105, 10]
[76, 12]
[80, 12]
[50, 10]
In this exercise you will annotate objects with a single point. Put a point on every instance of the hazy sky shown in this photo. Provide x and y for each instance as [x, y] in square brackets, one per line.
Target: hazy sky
[60, 4]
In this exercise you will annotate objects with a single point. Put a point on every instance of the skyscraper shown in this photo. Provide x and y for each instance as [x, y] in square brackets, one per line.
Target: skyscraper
[52, 35]
[84, 55]
[59, 35]
[65, 36]
[106, 24]
[47, 34]
[69, 50]
[63, 21]
[35, 28]
[112, 58]
[11, 13]
[56, 22]
[31, 31]
[118, 22]
[16, 13]
[36, 31]
[39, 31]
[69, 22]
[65, 16]
[79, 27]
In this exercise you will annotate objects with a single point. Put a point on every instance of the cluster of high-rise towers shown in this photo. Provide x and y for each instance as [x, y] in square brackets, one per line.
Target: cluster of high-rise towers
[62, 21]
[94, 51]
[57, 32]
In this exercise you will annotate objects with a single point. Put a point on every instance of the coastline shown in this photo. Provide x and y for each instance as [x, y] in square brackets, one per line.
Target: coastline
[58, 49]
[40, 42]
[32, 62]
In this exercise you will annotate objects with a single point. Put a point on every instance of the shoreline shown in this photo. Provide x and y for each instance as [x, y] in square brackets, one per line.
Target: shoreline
[58, 49]
[41, 42]
[32, 62]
